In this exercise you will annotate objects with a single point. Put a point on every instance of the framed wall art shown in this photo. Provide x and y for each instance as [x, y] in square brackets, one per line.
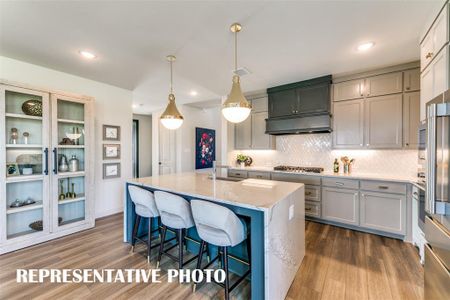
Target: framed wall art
[111, 133]
[111, 170]
[111, 151]
[205, 147]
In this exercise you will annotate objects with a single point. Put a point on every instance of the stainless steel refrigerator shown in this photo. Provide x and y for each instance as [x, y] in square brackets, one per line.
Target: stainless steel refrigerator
[437, 205]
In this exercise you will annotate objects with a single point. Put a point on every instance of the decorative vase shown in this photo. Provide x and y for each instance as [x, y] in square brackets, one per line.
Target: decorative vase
[32, 107]
[63, 165]
[74, 164]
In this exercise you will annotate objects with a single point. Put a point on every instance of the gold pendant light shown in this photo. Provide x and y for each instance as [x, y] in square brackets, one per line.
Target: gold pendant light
[236, 108]
[171, 117]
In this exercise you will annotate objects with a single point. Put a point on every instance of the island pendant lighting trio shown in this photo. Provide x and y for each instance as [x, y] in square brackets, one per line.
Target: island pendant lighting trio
[235, 109]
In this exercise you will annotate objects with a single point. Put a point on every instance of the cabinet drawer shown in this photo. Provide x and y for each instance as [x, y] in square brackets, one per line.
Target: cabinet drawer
[382, 186]
[311, 180]
[312, 193]
[237, 174]
[259, 175]
[312, 209]
[342, 183]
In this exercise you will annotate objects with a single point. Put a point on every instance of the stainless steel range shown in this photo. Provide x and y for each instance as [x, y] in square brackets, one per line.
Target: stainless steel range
[295, 169]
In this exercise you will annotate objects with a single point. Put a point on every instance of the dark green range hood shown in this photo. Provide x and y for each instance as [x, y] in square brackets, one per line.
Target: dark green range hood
[300, 108]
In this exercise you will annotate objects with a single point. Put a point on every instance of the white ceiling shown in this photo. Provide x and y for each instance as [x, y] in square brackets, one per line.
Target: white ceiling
[281, 42]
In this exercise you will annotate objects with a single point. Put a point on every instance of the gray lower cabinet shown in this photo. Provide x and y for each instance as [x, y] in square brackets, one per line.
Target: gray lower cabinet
[383, 117]
[259, 175]
[348, 124]
[340, 205]
[384, 212]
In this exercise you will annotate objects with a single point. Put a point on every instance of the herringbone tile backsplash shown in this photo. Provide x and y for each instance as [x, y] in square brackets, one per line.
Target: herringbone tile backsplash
[316, 150]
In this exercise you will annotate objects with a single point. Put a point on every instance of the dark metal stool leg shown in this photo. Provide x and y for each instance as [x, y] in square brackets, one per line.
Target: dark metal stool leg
[180, 248]
[161, 245]
[225, 267]
[135, 230]
[149, 242]
[199, 260]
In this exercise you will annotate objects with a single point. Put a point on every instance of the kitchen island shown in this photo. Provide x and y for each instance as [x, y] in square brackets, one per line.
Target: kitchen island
[275, 211]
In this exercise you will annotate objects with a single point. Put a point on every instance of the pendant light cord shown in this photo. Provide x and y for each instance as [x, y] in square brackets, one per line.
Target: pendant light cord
[235, 51]
[171, 78]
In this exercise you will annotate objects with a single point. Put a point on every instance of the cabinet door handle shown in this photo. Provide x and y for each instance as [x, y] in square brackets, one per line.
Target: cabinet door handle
[407, 88]
[46, 161]
[339, 184]
[429, 55]
[55, 161]
[308, 193]
[308, 209]
[416, 194]
[383, 187]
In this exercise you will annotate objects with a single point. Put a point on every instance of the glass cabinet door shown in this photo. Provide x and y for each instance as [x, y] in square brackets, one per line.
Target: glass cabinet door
[24, 162]
[70, 164]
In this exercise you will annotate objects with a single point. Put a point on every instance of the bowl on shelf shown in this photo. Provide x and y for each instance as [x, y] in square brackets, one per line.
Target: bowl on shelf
[38, 226]
[32, 107]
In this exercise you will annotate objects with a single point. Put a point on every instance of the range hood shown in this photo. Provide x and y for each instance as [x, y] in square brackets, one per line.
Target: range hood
[300, 108]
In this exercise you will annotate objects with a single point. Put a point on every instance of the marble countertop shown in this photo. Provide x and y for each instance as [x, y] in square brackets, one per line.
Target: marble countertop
[353, 175]
[249, 193]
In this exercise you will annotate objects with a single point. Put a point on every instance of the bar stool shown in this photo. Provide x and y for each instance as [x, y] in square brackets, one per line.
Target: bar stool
[145, 207]
[176, 214]
[219, 226]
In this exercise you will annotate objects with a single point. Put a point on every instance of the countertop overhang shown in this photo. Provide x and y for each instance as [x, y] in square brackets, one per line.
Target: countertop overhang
[249, 193]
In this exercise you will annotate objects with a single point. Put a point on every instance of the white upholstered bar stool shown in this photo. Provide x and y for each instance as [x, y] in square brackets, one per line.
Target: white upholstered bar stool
[145, 207]
[219, 226]
[175, 214]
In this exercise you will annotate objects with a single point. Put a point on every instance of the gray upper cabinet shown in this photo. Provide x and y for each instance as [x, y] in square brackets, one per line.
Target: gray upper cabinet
[348, 90]
[243, 134]
[380, 111]
[383, 121]
[411, 119]
[260, 140]
[384, 84]
[411, 80]
[251, 134]
[348, 124]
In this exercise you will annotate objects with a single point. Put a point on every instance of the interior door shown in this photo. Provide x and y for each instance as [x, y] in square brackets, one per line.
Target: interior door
[167, 153]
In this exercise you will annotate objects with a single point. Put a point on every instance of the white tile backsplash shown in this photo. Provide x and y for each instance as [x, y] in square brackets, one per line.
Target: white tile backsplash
[316, 150]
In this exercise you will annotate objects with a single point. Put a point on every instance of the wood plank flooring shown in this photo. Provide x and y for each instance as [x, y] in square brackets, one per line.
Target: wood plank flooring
[339, 264]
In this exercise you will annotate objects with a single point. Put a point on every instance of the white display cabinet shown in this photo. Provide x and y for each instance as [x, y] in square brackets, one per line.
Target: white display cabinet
[46, 171]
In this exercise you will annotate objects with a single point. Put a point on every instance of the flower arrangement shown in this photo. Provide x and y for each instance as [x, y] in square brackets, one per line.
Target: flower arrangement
[244, 160]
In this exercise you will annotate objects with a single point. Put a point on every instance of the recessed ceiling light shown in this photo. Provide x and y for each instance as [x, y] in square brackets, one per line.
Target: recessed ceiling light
[193, 93]
[365, 46]
[87, 54]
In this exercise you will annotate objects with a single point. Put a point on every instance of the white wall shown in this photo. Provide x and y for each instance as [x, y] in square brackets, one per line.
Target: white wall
[112, 107]
[145, 144]
[194, 117]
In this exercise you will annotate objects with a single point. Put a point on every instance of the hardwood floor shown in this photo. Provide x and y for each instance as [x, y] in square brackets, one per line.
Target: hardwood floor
[339, 264]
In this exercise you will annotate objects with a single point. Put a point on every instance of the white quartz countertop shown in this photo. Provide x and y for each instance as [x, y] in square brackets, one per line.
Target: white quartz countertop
[353, 175]
[249, 193]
